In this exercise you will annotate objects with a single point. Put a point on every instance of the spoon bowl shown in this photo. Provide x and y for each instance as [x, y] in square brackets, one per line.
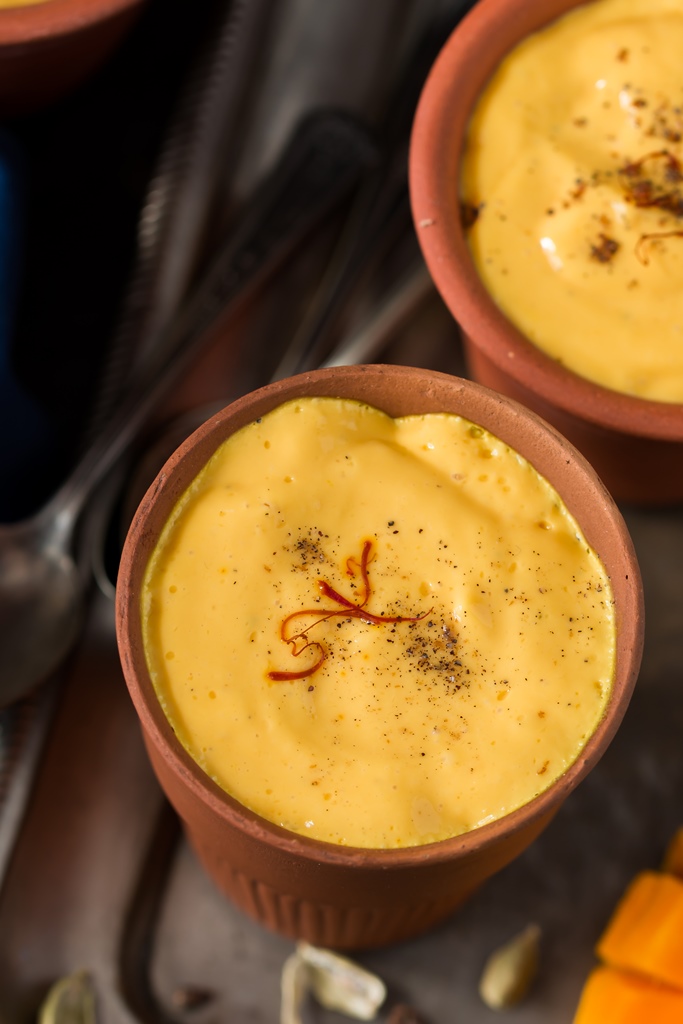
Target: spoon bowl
[41, 603]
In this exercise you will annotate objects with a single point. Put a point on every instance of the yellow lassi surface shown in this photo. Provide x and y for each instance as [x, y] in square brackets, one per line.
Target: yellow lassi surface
[574, 166]
[460, 630]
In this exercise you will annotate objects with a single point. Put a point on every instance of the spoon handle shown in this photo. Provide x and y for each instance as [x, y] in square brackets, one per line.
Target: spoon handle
[324, 160]
[194, 165]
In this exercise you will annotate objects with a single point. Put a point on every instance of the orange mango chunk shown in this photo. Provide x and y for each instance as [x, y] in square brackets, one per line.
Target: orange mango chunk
[611, 996]
[645, 933]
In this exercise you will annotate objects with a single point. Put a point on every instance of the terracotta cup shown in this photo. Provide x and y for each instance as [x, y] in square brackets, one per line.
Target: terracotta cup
[48, 48]
[635, 445]
[340, 896]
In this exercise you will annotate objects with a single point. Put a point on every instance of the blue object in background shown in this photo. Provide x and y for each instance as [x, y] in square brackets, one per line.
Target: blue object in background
[24, 427]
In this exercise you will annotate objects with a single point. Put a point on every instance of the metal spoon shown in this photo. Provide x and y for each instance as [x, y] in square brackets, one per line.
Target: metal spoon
[41, 588]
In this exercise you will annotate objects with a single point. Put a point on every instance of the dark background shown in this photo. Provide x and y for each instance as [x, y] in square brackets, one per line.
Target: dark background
[84, 164]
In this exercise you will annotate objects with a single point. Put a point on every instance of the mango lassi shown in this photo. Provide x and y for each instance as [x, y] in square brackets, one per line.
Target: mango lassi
[572, 185]
[377, 632]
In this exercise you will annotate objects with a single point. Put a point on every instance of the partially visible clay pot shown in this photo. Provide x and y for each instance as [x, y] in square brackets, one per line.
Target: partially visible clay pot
[48, 48]
[635, 445]
[332, 895]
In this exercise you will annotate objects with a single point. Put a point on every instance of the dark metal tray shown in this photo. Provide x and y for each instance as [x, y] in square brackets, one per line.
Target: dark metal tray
[100, 878]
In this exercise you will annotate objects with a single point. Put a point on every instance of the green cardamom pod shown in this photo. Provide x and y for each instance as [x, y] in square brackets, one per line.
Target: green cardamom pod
[71, 1000]
[510, 970]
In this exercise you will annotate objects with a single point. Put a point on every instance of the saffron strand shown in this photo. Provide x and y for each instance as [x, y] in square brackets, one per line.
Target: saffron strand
[347, 609]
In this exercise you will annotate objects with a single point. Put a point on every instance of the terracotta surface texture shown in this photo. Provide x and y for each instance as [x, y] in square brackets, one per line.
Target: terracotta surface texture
[635, 445]
[339, 896]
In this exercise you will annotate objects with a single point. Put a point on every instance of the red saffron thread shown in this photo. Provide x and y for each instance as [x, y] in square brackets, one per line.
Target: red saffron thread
[347, 609]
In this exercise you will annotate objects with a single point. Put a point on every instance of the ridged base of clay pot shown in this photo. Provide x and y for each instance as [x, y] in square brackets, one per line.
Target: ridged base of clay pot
[349, 927]
[322, 901]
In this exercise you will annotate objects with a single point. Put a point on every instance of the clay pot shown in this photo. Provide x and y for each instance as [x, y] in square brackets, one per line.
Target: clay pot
[48, 48]
[635, 445]
[338, 896]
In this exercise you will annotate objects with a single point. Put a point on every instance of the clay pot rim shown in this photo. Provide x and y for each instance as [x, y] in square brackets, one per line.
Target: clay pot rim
[464, 64]
[334, 381]
[51, 18]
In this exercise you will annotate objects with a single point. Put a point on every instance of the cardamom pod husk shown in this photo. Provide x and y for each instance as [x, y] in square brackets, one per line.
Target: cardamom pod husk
[340, 984]
[511, 969]
[294, 987]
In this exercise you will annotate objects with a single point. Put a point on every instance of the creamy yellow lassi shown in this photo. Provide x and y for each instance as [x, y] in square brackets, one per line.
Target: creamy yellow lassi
[377, 632]
[572, 185]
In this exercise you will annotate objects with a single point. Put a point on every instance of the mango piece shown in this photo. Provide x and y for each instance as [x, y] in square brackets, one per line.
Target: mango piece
[645, 933]
[611, 996]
